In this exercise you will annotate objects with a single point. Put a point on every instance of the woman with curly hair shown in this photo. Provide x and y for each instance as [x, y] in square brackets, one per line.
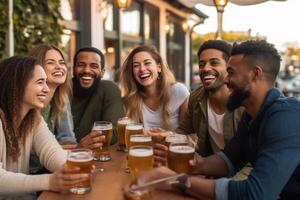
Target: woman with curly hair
[23, 93]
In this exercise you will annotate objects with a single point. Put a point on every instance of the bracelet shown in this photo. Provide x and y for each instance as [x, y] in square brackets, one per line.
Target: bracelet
[183, 184]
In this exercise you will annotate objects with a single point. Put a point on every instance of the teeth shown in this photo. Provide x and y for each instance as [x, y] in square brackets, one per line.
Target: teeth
[86, 78]
[42, 98]
[144, 76]
[209, 77]
[58, 74]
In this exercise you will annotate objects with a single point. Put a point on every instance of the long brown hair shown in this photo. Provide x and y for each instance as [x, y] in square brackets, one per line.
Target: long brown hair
[60, 98]
[15, 73]
[133, 93]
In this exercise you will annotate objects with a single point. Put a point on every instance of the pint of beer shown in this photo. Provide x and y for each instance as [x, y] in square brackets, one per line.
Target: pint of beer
[179, 155]
[140, 158]
[175, 138]
[82, 158]
[121, 126]
[140, 140]
[105, 127]
[132, 129]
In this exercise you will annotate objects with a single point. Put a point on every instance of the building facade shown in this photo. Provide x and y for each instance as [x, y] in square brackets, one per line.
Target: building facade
[102, 24]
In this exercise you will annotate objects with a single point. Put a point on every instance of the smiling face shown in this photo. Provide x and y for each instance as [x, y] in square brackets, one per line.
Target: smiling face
[35, 90]
[238, 81]
[212, 69]
[55, 68]
[145, 69]
[87, 68]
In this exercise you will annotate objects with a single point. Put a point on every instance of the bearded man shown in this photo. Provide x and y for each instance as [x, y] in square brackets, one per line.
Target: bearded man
[93, 99]
[207, 115]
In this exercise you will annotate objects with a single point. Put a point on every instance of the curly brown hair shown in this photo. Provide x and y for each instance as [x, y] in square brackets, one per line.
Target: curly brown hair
[15, 73]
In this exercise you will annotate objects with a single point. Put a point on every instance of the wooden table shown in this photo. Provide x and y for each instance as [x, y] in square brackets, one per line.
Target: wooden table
[108, 185]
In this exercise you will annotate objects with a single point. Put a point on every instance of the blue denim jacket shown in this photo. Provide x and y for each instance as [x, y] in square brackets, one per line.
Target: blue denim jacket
[64, 132]
[271, 143]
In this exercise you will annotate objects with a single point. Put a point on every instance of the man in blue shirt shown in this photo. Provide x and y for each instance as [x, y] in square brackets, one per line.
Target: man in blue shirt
[268, 135]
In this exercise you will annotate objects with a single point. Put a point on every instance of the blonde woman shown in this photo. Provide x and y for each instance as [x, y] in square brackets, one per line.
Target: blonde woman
[150, 93]
[57, 101]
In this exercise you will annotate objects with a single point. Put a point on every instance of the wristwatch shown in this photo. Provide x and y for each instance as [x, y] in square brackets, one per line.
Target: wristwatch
[184, 183]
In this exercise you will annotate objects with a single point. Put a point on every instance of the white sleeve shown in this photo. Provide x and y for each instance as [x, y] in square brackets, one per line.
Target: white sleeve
[179, 93]
[49, 151]
[19, 183]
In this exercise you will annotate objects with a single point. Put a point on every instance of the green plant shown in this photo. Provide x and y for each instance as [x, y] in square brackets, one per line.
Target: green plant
[35, 21]
[3, 26]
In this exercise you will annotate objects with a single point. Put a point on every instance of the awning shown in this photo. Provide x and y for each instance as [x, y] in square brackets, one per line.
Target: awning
[192, 3]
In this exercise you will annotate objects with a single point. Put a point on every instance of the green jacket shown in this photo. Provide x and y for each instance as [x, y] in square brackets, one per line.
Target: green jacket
[105, 104]
[196, 121]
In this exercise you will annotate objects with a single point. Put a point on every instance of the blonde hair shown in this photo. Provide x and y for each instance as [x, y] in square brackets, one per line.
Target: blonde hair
[60, 98]
[133, 93]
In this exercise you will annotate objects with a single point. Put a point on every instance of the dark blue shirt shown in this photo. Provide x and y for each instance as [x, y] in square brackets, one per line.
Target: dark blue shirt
[271, 143]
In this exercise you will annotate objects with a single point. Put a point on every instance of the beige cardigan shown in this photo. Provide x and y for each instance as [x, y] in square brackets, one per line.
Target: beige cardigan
[13, 175]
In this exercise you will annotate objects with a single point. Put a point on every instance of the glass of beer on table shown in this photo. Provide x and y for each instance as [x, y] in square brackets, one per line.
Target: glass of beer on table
[106, 128]
[82, 158]
[140, 159]
[132, 129]
[121, 126]
[175, 138]
[140, 140]
[179, 155]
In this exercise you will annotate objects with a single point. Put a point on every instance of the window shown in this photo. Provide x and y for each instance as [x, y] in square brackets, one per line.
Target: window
[175, 46]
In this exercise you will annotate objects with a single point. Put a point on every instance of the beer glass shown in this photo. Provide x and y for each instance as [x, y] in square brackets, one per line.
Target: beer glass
[142, 194]
[179, 155]
[121, 126]
[140, 140]
[175, 138]
[102, 152]
[82, 158]
[132, 129]
[140, 158]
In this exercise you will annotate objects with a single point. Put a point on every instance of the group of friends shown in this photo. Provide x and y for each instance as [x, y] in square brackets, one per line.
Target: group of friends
[246, 132]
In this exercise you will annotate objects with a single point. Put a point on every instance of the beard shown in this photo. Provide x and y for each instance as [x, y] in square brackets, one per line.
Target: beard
[79, 91]
[236, 98]
[219, 82]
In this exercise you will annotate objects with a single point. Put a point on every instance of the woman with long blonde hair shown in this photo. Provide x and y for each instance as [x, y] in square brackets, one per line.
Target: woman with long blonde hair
[57, 101]
[149, 90]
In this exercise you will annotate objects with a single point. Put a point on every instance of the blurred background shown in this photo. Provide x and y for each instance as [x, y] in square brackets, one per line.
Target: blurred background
[176, 27]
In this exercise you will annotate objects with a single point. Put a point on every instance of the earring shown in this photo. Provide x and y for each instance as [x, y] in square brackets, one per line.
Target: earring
[159, 76]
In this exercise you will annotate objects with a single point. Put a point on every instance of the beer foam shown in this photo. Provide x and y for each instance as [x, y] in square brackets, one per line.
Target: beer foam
[134, 127]
[102, 128]
[182, 149]
[176, 138]
[80, 157]
[141, 152]
[140, 139]
[124, 121]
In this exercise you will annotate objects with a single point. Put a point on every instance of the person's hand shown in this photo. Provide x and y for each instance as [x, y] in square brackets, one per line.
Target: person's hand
[196, 163]
[156, 173]
[160, 155]
[158, 134]
[69, 146]
[93, 140]
[64, 178]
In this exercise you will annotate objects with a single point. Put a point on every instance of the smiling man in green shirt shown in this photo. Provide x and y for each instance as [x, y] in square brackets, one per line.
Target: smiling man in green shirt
[93, 99]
